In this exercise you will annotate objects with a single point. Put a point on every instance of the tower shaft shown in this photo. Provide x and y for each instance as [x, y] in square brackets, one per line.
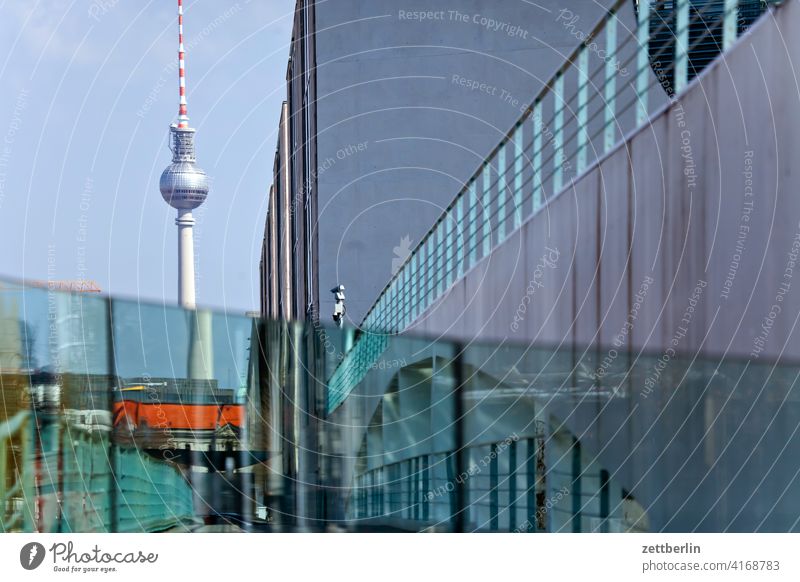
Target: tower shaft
[186, 278]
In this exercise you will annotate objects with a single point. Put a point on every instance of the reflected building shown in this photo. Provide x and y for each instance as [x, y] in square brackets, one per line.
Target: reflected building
[77, 334]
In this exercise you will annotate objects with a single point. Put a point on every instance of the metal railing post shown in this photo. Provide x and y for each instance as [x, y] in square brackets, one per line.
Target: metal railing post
[459, 443]
[112, 453]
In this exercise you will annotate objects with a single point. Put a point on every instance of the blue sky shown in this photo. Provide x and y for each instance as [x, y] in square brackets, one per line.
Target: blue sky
[87, 92]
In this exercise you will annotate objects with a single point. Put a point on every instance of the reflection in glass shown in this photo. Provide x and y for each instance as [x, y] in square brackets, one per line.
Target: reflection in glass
[119, 416]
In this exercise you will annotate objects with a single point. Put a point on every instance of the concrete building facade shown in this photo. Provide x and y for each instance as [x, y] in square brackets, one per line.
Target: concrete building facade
[390, 107]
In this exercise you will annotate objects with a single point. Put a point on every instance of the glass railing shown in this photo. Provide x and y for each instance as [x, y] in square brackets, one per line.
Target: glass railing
[129, 417]
[117, 416]
[529, 438]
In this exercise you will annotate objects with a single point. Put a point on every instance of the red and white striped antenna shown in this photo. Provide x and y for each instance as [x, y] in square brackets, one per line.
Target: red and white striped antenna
[183, 118]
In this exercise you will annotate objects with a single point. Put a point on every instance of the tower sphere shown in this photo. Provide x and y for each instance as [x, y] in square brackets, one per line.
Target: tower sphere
[183, 185]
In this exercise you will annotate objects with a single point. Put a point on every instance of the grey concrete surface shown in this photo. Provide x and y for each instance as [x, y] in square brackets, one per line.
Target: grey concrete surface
[636, 215]
[387, 80]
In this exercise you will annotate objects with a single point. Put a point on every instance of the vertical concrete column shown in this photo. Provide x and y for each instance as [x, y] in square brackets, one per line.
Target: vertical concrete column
[519, 155]
[610, 85]
[583, 108]
[682, 45]
[460, 234]
[537, 157]
[501, 193]
[472, 228]
[643, 61]
[286, 210]
[487, 209]
[450, 267]
[729, 27]
[558, 134]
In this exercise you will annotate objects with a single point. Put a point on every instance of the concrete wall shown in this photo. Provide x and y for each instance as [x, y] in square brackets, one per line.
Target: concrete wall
[637, 215]
[715, 169]
[393, 84]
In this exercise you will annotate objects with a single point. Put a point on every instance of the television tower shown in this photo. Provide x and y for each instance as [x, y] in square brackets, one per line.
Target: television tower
[183, 185]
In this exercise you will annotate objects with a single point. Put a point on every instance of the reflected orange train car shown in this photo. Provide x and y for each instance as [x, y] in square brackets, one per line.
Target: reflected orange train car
[162, 415]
